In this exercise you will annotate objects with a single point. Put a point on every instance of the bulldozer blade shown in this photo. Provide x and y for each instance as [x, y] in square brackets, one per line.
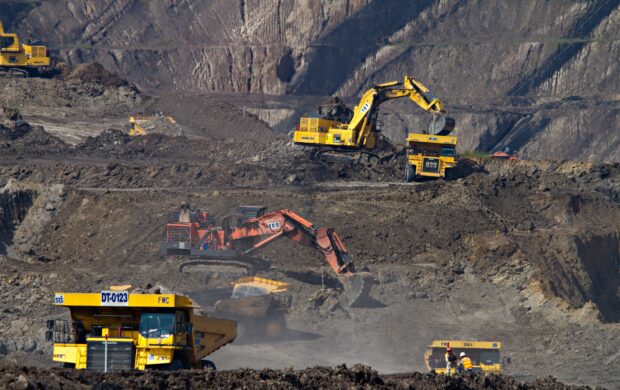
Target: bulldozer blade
[357, 288]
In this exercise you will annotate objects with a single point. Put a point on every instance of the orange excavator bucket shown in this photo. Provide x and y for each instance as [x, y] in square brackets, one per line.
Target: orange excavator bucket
[357, 288]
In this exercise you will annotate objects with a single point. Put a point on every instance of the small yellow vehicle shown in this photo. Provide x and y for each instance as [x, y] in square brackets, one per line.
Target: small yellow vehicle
[147, 124]
[484, 355]
[429, 156]
[117, 330]
[19, 60]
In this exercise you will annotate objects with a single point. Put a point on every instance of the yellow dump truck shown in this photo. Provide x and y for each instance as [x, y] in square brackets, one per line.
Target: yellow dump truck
[259, 307]
[484, 355]
[19, 60]
[117, 330]
[429, 155]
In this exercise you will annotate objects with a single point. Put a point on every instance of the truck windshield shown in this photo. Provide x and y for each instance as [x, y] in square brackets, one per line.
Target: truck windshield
[6, 42]
[489, 357]
[248, 291]
[155, 325]
[448, 151]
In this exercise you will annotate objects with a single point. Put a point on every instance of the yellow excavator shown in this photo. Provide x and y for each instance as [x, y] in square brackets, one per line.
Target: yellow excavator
[20, 60]
[360, 133]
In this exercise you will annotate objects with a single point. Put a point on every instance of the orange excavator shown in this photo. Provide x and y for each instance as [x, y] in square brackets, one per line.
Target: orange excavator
[233, 241]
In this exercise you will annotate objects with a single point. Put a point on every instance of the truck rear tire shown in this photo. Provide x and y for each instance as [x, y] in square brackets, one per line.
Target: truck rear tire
[275, 326]
[409, 173]
[208, 364]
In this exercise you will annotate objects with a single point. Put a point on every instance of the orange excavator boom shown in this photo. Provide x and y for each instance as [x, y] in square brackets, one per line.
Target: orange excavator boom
[254, 232]
[271, 226]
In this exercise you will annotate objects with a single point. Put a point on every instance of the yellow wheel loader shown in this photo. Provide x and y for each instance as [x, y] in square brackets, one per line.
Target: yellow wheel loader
[118, 330]
[21, 60]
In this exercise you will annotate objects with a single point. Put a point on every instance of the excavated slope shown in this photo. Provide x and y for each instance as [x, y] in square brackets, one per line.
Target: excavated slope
[469, 52]
[476, 55]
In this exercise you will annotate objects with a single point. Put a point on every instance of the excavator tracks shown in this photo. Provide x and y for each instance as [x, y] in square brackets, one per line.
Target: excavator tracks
[327, 156]
[14, 73]
[252, 265]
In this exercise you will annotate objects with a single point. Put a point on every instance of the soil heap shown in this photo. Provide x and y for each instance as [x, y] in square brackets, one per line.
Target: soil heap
[341, 377]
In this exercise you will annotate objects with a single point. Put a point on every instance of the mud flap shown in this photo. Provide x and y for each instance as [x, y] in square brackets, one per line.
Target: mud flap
[357, 288]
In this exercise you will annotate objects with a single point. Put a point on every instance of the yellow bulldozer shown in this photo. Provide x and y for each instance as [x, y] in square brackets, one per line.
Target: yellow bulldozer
[429, 153]
[21, 60]
[118, 330]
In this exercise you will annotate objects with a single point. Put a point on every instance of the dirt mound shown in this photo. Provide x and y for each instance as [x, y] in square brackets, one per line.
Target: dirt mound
[93, 73]
[18, 137]
[60, 98]
[10, 114]
[12, 125]
[340, 377]
[108, 141]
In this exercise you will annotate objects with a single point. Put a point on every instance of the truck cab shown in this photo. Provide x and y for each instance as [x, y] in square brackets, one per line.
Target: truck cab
[115, 330]
[429, 156]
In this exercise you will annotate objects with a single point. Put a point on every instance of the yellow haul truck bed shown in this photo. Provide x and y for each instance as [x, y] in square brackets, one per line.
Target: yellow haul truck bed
[429, 155]
[117, 330]
[258, 305]
[484, 355]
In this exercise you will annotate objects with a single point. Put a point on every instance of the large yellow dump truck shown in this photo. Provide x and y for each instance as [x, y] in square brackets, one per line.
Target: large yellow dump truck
[429, 155]
[258, 305]
[484, 355]
[19, 60]
[118, 330]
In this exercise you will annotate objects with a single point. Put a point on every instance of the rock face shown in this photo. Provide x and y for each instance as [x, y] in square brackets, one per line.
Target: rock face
[538, 77]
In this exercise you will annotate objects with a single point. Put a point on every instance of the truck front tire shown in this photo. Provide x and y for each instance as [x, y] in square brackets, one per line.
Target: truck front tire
[409, 173]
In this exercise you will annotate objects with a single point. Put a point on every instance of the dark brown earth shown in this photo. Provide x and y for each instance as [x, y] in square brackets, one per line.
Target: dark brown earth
[340, 377]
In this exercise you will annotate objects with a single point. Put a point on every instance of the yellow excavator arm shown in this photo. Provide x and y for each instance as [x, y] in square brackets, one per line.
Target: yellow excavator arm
[360, 131]
[410, 87]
